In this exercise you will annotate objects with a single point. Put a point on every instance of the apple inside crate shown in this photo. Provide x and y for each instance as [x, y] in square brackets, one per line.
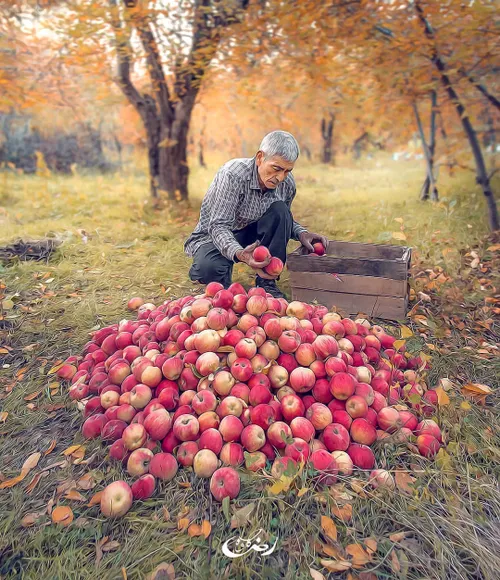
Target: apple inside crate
[356, 278]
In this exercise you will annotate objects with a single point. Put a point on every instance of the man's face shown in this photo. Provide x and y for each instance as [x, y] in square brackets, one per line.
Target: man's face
[272, 171]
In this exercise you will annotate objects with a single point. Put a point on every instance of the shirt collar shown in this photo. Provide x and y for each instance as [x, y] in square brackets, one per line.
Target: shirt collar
[254, 180]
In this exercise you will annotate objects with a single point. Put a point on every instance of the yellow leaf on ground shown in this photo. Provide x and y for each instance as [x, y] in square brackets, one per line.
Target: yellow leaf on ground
[399, 236]
[283, 484]
[406, 332]
[51, 447]
[399, 344]
[70, 450]
[360, 556]
[344, 512]
[443, 398]
[3, 416]
[183, 524]
[477, 389]
[302, 491]
[403, 481]
[315, 575]
[329, 528]
[95, 499]
[371, 544]
[396, 566]
[55, 368]
[194, 530]
[336, 565]
[465, 405]
[332, 551]
[206, 528]
[62, 515]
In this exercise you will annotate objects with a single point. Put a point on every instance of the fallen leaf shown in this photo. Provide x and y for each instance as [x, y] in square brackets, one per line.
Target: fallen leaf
[344, 512]
[396, 566]
[283, 484]
[397, 537]
[406, 332]
[124, 573]
[194, 530]
[163, 571]
[315, 575]
[182, 524]
[371, 544]
[477, 389]
[95, 499]
[329, 528]
[55, 368]
[399, 236]
[62, 515]
[32, 396]
[86, 482]
[4, 351]
[31, 519]
[51, 448]
[465, 406]
[336, 565]
[360, 556]
[302, 491]
[98, 550]
[241, 516]
[332, 551]
[3, 416]
[110, 546]
[446, 384]
[443, 398]
[74, 495]
[403, 480]
[206, 528]
[34, 482]
[70, 450]
[398, 344]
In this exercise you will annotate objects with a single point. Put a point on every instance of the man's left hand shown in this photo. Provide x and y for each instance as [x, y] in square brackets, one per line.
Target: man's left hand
[307, 239]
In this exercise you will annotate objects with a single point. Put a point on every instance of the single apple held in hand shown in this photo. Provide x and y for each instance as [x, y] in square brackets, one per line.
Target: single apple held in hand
[261, 253]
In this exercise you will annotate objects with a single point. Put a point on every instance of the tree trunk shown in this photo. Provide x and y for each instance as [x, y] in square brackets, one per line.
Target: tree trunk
[201, 145]
[358, 145]
[327, 136]
[429, 148]
[165, 116]
[481, 174]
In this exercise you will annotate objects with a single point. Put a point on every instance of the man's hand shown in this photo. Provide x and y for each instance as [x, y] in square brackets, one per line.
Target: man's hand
[307, 239]
[246, 256]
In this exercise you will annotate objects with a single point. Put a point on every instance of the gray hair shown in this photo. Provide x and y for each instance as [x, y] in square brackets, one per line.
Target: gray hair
[282, 144]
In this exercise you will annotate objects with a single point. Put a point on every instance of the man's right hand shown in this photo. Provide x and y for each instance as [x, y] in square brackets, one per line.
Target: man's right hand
[246, 256]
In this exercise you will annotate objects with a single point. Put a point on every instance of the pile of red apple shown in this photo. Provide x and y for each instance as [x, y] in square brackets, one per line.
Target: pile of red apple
[237, 378]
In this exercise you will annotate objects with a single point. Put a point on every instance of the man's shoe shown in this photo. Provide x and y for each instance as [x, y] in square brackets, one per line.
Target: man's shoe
[269, 286]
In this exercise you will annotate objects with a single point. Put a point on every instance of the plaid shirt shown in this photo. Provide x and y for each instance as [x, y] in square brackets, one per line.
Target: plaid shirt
[234, 200]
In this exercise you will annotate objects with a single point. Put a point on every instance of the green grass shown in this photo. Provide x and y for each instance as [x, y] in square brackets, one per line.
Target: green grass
[117, 245]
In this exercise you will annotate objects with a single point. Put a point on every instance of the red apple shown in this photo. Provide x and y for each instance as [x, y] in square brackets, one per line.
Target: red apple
[163, 466]
[302, 428]
[138, 462]
[336, 437]
[230, 428]
[361, 455]
[225, 482]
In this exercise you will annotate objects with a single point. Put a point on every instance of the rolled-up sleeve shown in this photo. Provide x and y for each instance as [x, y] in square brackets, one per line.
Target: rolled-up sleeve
[222, 201]
[297, 229]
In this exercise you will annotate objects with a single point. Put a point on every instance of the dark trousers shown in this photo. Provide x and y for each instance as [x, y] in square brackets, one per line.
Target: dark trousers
[273, 229]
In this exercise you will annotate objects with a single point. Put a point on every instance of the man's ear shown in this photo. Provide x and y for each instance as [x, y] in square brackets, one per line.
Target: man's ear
[259, 158]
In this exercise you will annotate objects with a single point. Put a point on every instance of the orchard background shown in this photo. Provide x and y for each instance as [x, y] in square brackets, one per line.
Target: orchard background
[114, 117]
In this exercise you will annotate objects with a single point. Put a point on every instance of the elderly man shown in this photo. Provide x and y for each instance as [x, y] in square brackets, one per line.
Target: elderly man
[247, 204]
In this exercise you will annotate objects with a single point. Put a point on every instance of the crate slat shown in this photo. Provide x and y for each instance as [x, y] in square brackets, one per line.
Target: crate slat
[351, 284]
[397, 270]
[358, 250]
[387, 307]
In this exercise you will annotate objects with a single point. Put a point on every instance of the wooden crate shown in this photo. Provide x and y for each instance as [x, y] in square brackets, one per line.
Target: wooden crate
[369, 278]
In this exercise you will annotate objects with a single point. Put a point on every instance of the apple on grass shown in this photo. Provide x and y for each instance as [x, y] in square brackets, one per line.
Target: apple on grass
[116, 499]
[205, 463]
[144, 487]
[225, 482]
[139, 461]
[163, 466]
